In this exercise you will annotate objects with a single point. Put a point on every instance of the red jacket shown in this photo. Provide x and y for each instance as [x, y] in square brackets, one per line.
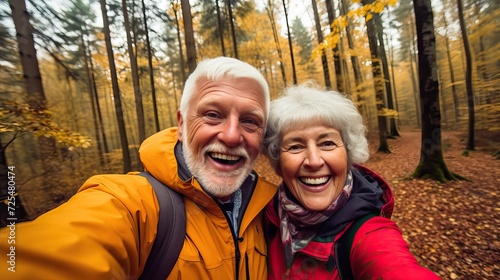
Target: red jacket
[378, 249]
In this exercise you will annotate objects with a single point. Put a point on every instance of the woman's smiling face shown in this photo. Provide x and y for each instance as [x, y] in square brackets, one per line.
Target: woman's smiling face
[313, 164]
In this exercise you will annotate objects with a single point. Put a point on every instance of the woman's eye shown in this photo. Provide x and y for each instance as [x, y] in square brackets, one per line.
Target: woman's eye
[295, 148]
[328, 145]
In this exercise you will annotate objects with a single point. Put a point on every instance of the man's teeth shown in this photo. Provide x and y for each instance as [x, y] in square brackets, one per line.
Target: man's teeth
[315, 181]
[225, 157]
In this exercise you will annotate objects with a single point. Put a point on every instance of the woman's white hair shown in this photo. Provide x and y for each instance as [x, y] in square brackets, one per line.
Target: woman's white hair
[222, 68]
[307, 103]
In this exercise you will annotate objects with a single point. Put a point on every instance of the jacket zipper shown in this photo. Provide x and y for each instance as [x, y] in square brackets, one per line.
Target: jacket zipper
[236, 244]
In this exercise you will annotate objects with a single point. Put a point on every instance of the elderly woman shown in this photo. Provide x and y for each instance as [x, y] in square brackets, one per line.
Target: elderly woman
[314, 141]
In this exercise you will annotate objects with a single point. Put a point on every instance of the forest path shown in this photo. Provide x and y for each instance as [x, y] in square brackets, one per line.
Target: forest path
[452, 228]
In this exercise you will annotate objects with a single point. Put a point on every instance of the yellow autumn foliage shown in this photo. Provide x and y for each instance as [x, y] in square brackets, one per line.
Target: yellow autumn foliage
[386, 112]
[18, 117]
[340, 23]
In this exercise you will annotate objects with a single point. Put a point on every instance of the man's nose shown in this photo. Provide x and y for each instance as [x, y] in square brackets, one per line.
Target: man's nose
[231, 133]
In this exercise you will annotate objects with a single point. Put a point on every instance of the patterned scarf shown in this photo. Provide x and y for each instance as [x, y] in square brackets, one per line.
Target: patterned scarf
[297, 223]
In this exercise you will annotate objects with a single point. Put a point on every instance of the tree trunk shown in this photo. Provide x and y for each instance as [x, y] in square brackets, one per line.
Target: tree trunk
[468, 77]
[174, 86]
[337, 59]
[270, 13]
[358, 77]
[324, 60]
[452, 74]
[378, 79]
[93, 103]
[175, 7]
[150, 68]
[116, 90]
[221, 29]
[393, 76]
[98, 106]
[231, 25]
[393, 131]
[139, 109]
[7, 172]
[442, 99]
[33, 82]
[189, 35]
[432, 164]
[294, 71]
[414, 78]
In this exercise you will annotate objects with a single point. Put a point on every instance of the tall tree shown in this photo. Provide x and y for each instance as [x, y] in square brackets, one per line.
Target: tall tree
[96, 98]
[337, 58]
[189, 35]
[139, 109]
[414, 77]
[229, 8]
[77, 33]
[432, 164]
[378, 76]
[452, 71]
[175, 8]
[468, 77]
[116, 89]
[302, 38]
[270, 8]
[324, 60]
[9, 73]
[150, 67]
[385, 68]
[290, 46]
[94, 102]
[33, 82]
[358, 76]
[403, 16]
[220, 28]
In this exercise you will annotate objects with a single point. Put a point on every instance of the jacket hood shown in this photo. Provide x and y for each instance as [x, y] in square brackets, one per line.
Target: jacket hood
[157, 157]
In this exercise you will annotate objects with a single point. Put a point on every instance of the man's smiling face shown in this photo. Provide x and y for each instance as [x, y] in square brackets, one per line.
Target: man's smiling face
[222, 133]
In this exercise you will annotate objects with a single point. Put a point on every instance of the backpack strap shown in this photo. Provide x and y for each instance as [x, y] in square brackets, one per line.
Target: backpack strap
[343, 247]
[170, 233]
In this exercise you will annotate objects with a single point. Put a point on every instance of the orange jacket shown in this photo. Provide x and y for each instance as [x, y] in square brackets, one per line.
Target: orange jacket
[107, 229]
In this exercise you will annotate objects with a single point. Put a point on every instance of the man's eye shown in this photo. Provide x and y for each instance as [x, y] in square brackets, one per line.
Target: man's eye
[212, 115]
[250, 123]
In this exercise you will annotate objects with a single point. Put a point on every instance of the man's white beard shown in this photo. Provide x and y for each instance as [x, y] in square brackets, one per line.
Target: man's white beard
[217, 183]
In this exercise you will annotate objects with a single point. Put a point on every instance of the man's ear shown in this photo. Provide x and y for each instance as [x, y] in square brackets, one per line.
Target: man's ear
[180, 123]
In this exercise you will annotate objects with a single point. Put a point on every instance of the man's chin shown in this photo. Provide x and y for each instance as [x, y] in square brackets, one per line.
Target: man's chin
[219, 186]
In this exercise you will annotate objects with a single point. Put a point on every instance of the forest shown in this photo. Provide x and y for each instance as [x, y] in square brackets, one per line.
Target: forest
[84, 82]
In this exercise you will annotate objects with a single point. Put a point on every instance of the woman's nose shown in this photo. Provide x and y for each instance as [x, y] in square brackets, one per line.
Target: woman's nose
[313, 158]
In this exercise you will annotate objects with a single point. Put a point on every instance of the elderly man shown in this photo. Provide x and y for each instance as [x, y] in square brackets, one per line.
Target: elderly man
[106, 230]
